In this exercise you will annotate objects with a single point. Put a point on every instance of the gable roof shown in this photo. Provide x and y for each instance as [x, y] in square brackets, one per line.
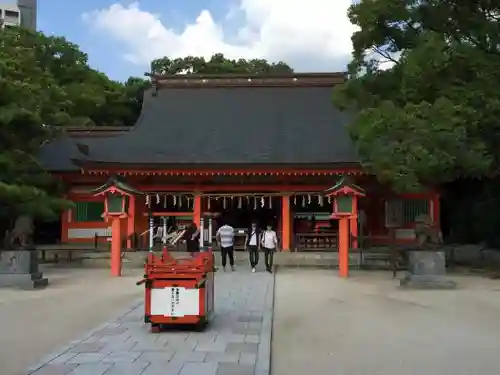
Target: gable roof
[230, 121]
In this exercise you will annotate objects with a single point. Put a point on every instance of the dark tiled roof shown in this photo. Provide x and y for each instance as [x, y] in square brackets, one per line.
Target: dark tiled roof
[56, 155]
[228, 125]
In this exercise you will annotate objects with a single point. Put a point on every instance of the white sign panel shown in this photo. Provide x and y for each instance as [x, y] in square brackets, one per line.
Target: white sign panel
[175, 301]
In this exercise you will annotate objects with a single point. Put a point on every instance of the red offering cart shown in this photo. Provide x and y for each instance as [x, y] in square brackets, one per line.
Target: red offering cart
[178, 291]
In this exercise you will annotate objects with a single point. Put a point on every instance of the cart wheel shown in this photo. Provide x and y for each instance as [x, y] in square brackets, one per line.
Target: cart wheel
[155, 328]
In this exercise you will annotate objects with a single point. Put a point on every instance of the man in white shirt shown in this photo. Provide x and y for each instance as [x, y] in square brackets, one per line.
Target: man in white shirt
[252, 245]
[225, 239]
[269, 243]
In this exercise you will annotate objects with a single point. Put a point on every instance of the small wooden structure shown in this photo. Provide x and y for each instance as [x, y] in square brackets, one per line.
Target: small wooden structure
[345, 207]
[118, 196]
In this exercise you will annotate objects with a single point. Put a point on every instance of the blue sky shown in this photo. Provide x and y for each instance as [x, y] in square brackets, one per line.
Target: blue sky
[64, 17]
[121, 37]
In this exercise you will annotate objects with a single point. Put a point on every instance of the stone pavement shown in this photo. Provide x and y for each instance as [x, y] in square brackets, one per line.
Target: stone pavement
[237, 342]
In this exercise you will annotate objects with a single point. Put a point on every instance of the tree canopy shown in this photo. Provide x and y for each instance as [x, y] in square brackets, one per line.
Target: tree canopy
[46, 83]
[218, 64]
[423, 88]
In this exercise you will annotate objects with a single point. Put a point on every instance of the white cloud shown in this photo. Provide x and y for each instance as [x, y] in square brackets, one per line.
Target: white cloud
[313, 35]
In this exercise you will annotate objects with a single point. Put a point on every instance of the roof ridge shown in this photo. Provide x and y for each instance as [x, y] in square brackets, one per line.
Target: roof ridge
[249, 80]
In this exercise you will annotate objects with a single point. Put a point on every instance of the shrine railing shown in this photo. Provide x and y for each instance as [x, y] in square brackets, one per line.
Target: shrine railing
[316, 242]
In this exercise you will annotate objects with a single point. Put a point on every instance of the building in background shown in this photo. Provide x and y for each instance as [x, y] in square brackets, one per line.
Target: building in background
[10, 15]
[24, 14]
[28, 9]
[231, 148]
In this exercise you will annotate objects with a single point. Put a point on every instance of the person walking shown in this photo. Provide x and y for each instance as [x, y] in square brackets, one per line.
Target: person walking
[269, 243]
[192, 238]
[252, 245]
[225, 239]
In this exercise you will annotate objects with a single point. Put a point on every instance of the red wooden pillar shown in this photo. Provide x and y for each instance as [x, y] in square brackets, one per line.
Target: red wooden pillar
[286, 225]
[131, 221]
[116, 259]
[343, 246]
[353, 223]
[197, 210]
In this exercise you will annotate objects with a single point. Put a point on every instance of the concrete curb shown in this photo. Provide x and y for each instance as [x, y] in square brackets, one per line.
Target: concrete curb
[50, 357]
[263, 363]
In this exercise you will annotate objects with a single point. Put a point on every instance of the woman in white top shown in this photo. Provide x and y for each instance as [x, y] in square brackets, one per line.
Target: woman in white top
[269, 243]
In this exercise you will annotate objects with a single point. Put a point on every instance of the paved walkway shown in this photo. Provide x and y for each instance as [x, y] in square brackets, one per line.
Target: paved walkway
[237, 342]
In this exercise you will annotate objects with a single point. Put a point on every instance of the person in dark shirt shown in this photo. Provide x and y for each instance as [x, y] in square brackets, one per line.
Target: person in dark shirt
[192, 238]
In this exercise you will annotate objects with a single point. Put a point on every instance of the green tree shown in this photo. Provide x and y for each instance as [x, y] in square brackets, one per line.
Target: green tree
[45, 84]
[30, 98]
[424, 89]
[218, 64]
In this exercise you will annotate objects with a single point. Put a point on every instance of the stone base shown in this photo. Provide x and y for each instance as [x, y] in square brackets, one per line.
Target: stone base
[19, 268]
[426, 282]
[23, 281]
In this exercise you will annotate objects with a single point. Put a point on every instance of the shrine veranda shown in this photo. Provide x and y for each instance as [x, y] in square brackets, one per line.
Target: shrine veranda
[235, 149]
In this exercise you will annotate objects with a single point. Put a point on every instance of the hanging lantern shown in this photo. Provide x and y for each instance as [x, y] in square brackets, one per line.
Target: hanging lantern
[308, 198]
[180, 200]
[294, 199]
[329, 199]
[345, 195]
[303, 201]
[240, 203]
[254, 203]
[320, 200]
[270, 202]
[224, 203]
[208, 202]
[262, 202]
[164, 201]
[157, 198]
[148, 200]
[174, 200]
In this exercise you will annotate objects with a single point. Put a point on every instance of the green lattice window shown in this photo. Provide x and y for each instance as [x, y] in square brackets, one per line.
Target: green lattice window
[88, 211]
[413, 208]
[344, 204]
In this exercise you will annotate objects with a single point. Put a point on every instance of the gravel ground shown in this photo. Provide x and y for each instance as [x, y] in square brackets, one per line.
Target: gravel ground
[35, 323]
[366, 325]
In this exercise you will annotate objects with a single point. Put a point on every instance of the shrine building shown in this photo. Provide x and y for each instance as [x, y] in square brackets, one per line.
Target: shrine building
[235, 149]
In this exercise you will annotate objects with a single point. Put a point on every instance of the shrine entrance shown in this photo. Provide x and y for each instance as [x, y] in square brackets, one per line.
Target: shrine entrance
[241, 211]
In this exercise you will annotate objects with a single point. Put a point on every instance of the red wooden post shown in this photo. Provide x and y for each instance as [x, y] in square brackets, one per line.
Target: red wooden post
[344, 246]
[286, 223]
[116, 259]
[353, 221]
[197, 210]
[131, 221]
